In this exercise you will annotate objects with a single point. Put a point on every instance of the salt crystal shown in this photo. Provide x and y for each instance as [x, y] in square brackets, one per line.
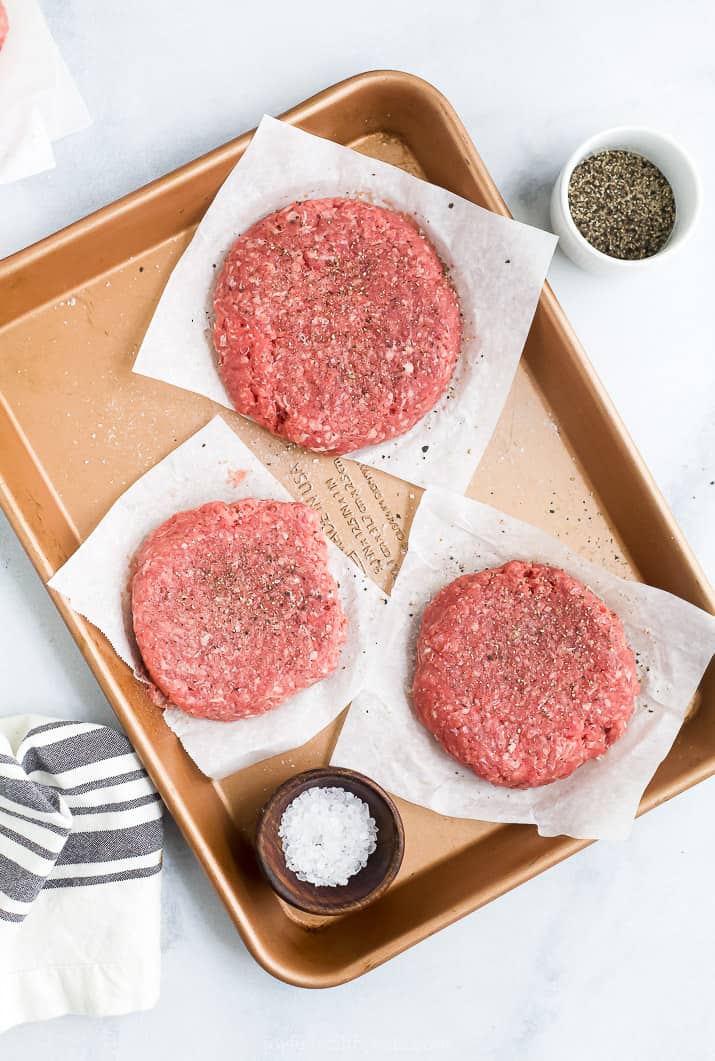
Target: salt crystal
[327, 835]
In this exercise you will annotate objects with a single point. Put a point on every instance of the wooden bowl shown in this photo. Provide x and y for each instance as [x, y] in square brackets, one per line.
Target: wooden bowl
[367, 885]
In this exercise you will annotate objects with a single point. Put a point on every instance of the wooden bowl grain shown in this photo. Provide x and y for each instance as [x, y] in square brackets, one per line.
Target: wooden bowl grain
[367, 885]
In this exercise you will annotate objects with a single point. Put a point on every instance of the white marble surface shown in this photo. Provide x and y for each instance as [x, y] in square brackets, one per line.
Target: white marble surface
[611, 953]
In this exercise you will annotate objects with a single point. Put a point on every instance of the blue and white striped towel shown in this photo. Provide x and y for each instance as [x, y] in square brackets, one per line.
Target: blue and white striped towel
[80, 872]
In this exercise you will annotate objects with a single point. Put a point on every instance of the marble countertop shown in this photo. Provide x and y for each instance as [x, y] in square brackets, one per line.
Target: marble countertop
[610, 953]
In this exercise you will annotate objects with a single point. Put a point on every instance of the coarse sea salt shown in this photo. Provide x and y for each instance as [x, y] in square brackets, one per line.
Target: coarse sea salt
[327, 835]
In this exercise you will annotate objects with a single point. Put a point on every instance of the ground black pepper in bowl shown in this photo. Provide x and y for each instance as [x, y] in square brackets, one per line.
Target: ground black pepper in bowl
[622, 204]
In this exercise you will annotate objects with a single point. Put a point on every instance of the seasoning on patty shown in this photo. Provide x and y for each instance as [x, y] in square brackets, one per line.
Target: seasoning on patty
[523, 674]
[234, 607]
[335, 325]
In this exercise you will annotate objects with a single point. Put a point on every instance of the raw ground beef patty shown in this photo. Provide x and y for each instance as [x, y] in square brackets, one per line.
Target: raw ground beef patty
[335, 326]
[234, 607]
[3, 24]
[523, 674]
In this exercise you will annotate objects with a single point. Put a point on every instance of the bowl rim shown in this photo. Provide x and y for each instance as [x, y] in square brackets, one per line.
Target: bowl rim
[586, 148]
[320, 776]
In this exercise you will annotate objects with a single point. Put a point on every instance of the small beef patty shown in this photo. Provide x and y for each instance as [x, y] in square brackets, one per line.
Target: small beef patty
[335, 326]
[234, 607]
[4, 25]
[523, 674]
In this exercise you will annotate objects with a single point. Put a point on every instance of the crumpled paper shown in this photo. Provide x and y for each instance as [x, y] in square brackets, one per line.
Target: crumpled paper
[39, 101]
[497, 265]
[95, 582]
[673, 641]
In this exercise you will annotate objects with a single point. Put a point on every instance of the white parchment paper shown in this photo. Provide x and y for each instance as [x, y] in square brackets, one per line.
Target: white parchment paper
[95, 582]
[497, 265]
[672, 639]
[39, 101]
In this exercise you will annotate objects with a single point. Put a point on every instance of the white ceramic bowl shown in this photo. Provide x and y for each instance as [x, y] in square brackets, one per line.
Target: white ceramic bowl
[675, 165]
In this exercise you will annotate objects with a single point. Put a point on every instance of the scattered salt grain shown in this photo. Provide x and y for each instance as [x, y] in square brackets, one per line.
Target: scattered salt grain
[327, 835]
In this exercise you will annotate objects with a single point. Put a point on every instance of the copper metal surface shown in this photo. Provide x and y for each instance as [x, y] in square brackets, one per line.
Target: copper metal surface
[76, 428]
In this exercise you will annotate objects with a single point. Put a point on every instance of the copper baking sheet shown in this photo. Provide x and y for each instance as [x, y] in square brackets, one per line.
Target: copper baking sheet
[76, 428]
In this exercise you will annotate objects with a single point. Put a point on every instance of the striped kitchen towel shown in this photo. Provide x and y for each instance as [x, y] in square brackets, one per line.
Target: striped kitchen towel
[80, 872]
